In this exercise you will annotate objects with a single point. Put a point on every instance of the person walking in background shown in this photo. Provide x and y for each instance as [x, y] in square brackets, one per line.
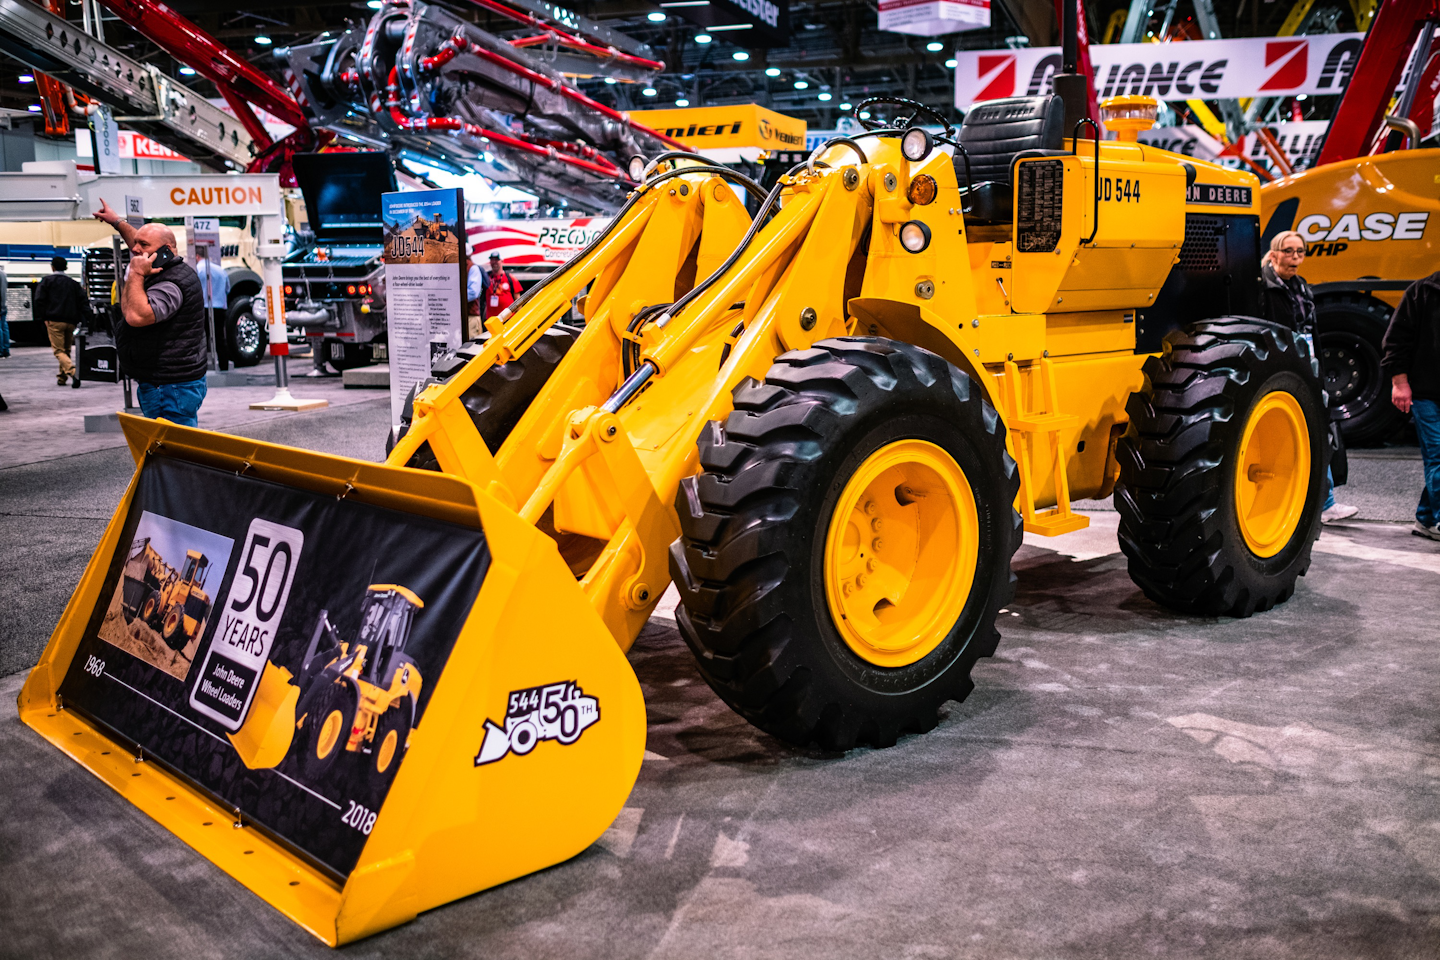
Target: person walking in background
[1412, 361]
[60, 302]
[4, 317]
[162, 341]
[1287, 300]
[216, 283]
[474, 297]
[501, 289]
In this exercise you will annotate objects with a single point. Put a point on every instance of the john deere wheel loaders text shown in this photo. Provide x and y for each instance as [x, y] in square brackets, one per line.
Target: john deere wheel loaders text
[828, 425]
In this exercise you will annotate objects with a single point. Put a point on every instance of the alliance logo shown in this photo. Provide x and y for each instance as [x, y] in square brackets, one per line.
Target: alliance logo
[997, 75]
[1289, 59]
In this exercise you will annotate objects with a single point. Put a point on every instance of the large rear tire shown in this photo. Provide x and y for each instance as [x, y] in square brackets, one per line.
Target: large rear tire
[1351, 330]
[846, 549]
[498, 400]
[1222, 468]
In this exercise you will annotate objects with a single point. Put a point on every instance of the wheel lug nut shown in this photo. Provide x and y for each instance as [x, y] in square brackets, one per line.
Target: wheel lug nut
[875, 524]
[872, 564]
[860, 580]
[876, 544]
[848, 589]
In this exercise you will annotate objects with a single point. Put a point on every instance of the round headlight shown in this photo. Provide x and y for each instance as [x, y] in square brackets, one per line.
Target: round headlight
[915, 144]
[636, 168]
[914, 236]
[923, 189]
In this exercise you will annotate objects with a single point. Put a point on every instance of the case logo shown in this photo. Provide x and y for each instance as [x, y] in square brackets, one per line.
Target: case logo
[556, 711]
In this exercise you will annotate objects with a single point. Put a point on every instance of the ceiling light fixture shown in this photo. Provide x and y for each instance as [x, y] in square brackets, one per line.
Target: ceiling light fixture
[648, 91]
[27, 78]
[703, 38]
[801, 85]
[772, 71]
[740, 55]
[187, 71]
[33, 108]
[656, 17]
[950, 63]
[263, 40]
[934, 46]
[610, 80]
[682, 102]
[824, 97]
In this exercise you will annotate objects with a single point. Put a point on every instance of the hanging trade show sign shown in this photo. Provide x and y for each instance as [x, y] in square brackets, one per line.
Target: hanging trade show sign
[103, 139]
[273, 646]
[424, 283]
[744, 129]
[750, 23]
[932, 18]
[1193, 69]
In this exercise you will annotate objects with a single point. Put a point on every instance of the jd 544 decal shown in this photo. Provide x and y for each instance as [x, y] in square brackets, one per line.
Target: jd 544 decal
[556, 711]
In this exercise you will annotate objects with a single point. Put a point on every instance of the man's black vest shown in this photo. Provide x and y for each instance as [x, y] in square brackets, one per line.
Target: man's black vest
[173, 350]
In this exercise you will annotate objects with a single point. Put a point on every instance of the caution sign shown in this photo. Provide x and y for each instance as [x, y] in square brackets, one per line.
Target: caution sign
[275, 647]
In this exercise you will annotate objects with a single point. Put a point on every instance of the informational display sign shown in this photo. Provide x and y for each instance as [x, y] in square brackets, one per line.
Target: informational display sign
[202, 249]
[424, 283]
[105, 140]
[135, 211]
[236, 609]
[1192, 69]
[933, 18]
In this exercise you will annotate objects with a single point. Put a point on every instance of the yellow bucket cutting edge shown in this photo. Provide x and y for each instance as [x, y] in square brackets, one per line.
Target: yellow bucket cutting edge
[368, 722]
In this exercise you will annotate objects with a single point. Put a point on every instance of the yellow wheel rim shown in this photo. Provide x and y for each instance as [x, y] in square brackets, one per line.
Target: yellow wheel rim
[329, 734]
[387, 750]
[1272, 473]
[900, 553]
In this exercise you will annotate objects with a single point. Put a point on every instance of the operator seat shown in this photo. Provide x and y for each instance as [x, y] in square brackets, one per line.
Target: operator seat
[996, 133]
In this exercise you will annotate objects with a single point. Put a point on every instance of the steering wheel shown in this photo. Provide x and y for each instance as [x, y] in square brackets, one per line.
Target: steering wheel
[916, 108]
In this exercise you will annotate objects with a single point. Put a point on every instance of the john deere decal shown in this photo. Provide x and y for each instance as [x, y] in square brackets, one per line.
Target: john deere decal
[556, 711]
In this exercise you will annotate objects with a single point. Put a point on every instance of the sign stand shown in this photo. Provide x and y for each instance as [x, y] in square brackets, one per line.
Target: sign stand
[271, 250]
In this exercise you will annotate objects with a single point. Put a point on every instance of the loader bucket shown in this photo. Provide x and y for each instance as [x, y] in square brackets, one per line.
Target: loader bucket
[515, 751]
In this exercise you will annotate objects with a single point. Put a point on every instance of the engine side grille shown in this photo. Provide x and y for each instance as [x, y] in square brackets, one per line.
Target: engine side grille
[1201, 250]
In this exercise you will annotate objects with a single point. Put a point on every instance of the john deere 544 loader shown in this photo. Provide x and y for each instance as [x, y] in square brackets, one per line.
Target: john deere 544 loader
[827, 424]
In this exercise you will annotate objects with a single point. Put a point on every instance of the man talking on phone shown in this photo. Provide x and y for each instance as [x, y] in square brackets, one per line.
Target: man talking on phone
[162, 341]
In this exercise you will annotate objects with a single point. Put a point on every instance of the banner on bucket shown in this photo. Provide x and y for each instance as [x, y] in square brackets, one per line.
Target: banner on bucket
[276, 647]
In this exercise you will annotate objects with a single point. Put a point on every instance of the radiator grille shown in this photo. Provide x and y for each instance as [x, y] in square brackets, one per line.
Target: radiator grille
[1201, 251]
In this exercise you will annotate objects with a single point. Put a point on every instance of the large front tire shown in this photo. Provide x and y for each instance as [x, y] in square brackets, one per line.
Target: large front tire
[1222, 468]
[846, 549]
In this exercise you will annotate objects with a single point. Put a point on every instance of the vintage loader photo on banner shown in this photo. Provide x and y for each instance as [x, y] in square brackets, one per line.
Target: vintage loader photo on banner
[275, 646]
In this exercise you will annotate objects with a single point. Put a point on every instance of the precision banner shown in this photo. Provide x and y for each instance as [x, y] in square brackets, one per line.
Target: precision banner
[1193, 69]
[932, 18]
[236, 608]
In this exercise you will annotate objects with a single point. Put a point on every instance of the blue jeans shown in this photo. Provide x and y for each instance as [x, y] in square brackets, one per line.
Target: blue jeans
[176, 402]
[1427, 428]
[1329, 489]
[4, 332]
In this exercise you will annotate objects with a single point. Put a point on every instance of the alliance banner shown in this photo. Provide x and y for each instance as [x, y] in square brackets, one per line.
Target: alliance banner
[1193, 69]
[276, 647]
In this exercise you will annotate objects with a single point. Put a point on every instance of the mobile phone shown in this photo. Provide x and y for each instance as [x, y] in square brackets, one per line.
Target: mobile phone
[163, 256]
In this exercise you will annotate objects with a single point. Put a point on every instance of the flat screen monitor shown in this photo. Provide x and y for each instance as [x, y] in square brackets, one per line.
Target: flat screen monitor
[342, 193]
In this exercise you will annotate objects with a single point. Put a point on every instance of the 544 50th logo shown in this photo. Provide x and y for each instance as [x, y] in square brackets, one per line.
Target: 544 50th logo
[556, 711]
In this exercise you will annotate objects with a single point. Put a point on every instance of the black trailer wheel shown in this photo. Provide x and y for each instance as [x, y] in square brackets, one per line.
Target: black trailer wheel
[498, 400]
[846, 547]
[1351, 330]
[388, 748]
[328, 724]
[1222, 469]
[245, 332]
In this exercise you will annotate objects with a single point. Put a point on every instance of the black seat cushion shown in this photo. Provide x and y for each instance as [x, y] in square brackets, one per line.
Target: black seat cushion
[994, 131]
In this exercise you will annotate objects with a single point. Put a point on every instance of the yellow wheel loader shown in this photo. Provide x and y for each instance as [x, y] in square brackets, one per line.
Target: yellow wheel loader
[173, 603]
[827, 423]
[359, 696]
[1370, 227]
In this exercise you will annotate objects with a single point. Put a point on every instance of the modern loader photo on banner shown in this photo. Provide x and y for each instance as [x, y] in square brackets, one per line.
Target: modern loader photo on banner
[276, 647]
